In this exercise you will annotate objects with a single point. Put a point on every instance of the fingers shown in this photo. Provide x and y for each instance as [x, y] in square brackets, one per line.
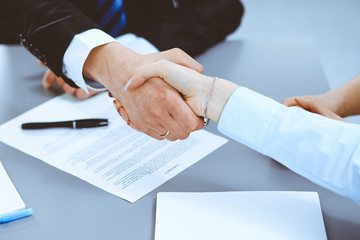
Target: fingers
[171, 137]
[157, 108]
[124, 115]
[311, 104]
[160, 133]
[290, 102]
[77, 92]
[165, 134]
[49, 79]
[318, 107]
[145, 72]
[65, 87]
[117, 103]
[175, 75]
[304, 103]
[174, 128]
[178, 56]
[185, 117]
[181, 120]
[153, 134]
[41, 63]
[161, 66]
[81, 94]
[121, 110]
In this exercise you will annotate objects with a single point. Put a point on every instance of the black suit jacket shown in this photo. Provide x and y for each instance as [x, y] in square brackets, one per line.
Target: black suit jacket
[46, 27]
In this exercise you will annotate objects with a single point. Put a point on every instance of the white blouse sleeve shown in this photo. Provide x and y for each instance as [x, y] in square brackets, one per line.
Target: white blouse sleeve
[324, 150]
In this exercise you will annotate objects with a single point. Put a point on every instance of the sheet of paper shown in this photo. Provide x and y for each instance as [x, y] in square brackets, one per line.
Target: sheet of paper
[116, 158]
[239, 215]
[10, 200]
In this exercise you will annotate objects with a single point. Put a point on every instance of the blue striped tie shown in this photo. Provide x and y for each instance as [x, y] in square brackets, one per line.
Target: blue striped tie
[112, 17]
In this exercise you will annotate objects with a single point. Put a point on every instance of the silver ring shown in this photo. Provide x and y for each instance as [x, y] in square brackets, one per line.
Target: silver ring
[166, 134]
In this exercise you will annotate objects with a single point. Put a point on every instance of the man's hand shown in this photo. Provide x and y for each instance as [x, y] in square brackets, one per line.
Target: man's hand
[155, 108]
[50, 79]
[193, 87]
[163, 109]
[313, 104]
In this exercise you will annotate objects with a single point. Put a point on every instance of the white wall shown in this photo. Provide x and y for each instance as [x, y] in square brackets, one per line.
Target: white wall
[333, 25]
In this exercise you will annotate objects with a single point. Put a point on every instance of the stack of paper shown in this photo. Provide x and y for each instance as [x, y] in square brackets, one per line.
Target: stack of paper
[239, 215]
[10, 200]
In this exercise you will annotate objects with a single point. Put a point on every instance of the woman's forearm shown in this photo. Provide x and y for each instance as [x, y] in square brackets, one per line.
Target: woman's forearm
[323, 150]
[346, 98]
[223, 90]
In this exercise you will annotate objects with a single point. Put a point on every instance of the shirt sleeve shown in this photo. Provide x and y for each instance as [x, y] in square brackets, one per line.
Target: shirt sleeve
[81, 46]
[324, 150]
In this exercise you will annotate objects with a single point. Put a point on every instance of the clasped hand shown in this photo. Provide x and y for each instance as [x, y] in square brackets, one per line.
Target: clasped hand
[194, 88]
[166, 94]
[156, 108]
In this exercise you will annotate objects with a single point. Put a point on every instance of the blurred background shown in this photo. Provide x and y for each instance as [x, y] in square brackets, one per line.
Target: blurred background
[331, 24]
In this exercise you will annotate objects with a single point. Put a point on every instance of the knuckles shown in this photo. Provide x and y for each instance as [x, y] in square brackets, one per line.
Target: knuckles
[177, 51]
[183, 135]
[201, 68]
[194, 125]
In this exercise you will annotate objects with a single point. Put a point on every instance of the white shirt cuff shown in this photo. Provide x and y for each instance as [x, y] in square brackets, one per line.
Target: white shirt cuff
[242, 120]
[81, 46]
[78, 51]
[137, 44]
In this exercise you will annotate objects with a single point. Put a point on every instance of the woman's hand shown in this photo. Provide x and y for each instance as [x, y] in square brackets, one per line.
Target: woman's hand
[156, 108]
[193, 86]
[313, 104]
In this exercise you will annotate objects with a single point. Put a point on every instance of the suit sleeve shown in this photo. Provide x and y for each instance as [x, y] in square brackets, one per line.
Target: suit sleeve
[44, 27]
[193, 26]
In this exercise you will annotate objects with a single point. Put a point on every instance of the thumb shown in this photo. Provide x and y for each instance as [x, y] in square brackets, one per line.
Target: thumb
[289, 102]
[180, 57]
[303, 103]
[146, 72]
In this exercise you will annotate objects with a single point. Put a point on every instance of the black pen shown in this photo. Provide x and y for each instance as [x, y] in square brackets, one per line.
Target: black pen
[80, 123]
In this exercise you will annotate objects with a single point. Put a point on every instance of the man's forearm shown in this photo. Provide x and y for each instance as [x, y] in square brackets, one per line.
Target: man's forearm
[103, 60]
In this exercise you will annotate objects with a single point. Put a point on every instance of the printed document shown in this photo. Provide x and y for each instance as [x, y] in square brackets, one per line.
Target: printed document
[116, 158]
[239, 215]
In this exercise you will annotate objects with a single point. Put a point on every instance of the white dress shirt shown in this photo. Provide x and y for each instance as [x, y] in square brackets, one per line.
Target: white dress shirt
[81, 46]
[324, 150]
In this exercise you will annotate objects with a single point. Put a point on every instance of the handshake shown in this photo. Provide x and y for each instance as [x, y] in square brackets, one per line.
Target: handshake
[160, 109]
[178, 113]
[167, 95]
